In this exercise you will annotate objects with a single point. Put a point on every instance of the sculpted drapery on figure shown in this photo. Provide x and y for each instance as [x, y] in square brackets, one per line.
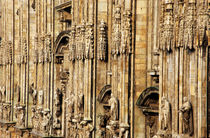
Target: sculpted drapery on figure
[114, 108]
[47, 121]
[33, 93]
[166, 114]
[186, 113]
[58, 109]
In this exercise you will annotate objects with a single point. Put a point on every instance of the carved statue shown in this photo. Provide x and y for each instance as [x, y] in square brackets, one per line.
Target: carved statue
[58, 102]
[116, 30]
[20, 115]
[187, 120]
[3, 91]
[88, 128]
[7, 109]
[33, 92]
[33, 116]
[47, 121]
[89, 41]
[165, 114]
[58, 110]
[113, 102]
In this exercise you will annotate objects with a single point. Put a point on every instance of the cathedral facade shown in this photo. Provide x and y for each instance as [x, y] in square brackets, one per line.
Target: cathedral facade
[104, 68]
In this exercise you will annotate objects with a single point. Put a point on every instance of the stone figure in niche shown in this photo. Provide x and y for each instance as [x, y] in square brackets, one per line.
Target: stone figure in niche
[47, 121]
[187, 120]
[58, 102]
[102, 125]
[113, 102]
[20, 115]
[7, 109]
[33, 92]
[3, 91]
[33, 116]
[36, 119]
[165, 114]
[41, 97]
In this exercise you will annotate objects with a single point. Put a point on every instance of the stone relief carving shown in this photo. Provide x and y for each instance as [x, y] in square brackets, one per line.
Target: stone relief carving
[89, 41]
[113, 124]
[167, 42]
[126, 33]
[47, 50]
[39, 119]
[7, 111]
[33, 116]
[20, 115]
[47, 121]
[116, 31]
[33, 93]
[72, 45]
[3, 94]
[186, 113]
[58, 109]
[190, 25]
[165, 115]
[80, 41]
[102, 48]
[114, 108]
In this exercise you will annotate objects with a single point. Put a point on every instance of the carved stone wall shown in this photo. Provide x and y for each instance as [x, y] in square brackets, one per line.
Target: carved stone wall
[77, 68]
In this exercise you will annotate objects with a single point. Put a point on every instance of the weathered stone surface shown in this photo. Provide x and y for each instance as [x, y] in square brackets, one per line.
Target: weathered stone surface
[105, 68]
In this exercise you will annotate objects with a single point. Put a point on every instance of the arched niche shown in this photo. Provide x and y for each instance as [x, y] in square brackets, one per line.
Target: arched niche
[104, 116]
[148, 102]
[61, 44]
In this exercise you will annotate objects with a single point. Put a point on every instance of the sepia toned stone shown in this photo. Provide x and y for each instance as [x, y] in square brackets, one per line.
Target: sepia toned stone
[105, 68]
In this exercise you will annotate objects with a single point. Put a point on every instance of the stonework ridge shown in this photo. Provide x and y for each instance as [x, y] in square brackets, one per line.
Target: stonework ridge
[104, 69]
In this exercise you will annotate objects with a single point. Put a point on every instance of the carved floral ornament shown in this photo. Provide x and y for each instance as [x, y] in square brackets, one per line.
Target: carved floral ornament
[179, 24]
